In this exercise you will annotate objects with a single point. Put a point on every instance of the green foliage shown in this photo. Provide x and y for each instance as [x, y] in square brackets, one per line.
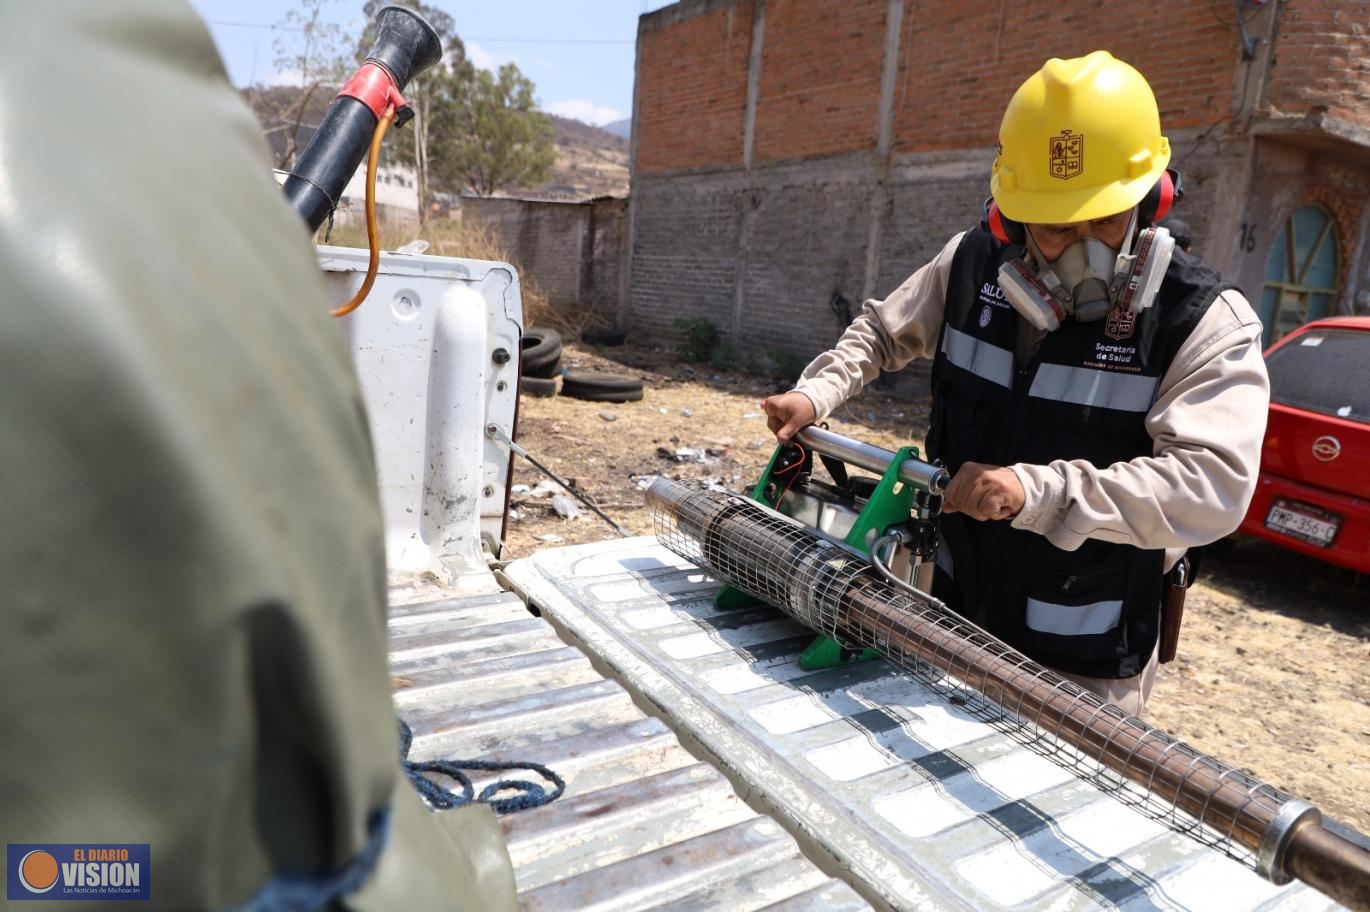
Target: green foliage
[723, 357]
[698, 340]
[472, 129]
[788, 365]
[701, 341]
[491, 136]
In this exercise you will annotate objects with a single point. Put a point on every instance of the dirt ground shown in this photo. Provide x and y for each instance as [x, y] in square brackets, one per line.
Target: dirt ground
[1273, 673]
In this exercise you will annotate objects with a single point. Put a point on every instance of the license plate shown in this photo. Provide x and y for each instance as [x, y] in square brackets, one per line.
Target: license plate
[1303, 521]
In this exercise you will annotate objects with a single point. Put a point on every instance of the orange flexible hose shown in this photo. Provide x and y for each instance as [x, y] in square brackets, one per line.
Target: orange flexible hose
[373, 235]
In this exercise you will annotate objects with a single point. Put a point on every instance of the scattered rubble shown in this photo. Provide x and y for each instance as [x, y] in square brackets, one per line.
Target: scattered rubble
[566, 507]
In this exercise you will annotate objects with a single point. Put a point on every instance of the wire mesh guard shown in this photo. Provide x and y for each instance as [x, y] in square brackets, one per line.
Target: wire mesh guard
[831, 589]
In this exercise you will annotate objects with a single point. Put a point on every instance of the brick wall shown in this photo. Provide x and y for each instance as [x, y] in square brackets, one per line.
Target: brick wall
[820, 78]
[959, 62]
[692, 86]
[963, 59]
[1322, 60]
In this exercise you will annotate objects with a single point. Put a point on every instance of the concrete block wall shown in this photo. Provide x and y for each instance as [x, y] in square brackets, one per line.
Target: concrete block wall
[571, 252]
[546, 240]
[685, 237]
[603, 271]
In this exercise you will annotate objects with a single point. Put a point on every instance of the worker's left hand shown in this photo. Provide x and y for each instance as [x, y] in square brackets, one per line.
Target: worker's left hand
[984, 492]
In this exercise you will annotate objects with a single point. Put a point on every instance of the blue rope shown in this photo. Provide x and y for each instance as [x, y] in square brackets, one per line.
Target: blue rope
[533, 795]
[294, 892]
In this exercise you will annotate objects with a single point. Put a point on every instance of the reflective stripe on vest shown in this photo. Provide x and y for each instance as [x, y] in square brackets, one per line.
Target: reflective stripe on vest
[1073, 620]
[989, 362]
[1096, 388]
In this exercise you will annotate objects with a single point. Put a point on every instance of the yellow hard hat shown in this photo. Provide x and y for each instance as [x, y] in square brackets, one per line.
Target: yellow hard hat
[1080, 140]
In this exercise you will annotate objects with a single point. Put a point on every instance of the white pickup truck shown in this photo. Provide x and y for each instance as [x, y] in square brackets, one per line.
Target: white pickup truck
[704, 768]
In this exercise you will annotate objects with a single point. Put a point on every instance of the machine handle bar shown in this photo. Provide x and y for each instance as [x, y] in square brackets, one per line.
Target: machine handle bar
[872, 458]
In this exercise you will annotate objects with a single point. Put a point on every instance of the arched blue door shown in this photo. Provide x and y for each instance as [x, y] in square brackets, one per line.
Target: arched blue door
[1302, 272]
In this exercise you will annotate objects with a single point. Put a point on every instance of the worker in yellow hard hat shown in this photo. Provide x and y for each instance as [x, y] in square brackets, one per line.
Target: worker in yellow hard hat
[1098, 395]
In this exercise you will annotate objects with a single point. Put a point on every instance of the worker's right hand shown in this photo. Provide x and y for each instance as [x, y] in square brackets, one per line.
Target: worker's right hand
[787, 414]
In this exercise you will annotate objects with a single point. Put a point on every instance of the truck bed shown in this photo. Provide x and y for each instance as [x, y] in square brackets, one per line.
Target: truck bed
[643, 824]
[916, 803]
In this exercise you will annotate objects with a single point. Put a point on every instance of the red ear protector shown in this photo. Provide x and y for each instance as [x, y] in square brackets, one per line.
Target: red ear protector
[1157, 203]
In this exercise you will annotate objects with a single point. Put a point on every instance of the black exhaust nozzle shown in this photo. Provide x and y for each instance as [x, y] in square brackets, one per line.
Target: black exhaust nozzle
[406, 45]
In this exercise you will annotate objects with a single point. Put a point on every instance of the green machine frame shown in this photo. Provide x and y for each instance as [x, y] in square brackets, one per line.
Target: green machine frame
[893, 502]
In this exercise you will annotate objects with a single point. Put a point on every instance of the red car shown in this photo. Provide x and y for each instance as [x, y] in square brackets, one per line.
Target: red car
[1314, 491]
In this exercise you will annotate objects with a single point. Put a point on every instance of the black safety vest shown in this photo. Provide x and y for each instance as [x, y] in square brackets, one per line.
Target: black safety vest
[1083, 395]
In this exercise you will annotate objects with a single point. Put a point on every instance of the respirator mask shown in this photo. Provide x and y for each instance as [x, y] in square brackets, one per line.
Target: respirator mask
[1089, 278]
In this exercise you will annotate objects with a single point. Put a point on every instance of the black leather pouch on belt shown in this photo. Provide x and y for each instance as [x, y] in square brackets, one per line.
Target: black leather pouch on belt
[1173, 589]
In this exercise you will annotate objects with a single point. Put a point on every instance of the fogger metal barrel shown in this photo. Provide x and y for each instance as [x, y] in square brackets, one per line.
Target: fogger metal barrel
[836, 591]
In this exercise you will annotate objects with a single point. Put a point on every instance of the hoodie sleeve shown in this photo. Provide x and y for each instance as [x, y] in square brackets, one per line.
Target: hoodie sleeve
[1207, 426]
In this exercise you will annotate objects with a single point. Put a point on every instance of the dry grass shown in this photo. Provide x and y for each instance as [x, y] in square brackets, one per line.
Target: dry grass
[456, 238]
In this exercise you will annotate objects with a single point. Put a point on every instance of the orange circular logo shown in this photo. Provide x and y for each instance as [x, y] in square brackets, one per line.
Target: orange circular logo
[38, 871]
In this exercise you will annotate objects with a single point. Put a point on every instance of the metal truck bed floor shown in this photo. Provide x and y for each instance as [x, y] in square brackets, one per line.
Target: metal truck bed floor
[643, 824]
[925, 806]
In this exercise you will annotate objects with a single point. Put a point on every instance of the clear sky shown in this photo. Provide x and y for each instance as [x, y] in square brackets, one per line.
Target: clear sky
[579, 53]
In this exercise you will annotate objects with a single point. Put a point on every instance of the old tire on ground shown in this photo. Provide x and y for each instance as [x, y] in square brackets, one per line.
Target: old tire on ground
[602, 387]
[544, 371]
[541, 349]
[542, 387]
[603, 337]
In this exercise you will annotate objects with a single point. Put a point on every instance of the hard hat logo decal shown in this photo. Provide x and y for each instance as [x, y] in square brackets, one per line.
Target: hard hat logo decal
[1066, 157]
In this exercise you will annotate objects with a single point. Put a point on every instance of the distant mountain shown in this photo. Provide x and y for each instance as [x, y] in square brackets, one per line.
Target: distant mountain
[591, 161]
[622, 128]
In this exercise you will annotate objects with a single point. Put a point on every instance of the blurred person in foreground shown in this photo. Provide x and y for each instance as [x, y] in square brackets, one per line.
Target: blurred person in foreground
[191, 544]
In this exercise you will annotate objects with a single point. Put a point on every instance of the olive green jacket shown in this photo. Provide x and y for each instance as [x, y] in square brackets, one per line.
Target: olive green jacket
[191, 556]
